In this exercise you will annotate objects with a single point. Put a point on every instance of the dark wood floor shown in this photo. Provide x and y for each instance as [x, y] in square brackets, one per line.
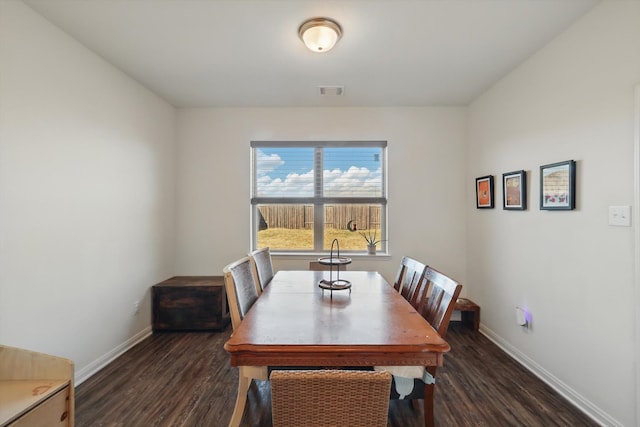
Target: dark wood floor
[184, 379]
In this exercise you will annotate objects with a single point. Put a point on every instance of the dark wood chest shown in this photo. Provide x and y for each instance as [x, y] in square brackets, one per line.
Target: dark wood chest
[190, 303]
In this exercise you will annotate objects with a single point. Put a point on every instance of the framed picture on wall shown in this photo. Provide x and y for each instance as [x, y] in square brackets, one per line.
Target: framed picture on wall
[484, 192]
[514, 190]
[558, 186]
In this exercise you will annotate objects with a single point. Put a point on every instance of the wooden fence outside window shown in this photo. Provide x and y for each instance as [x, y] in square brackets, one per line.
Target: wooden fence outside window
[335, 216]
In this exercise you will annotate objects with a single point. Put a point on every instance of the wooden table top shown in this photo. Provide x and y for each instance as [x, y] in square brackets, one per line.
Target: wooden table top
[295, 323]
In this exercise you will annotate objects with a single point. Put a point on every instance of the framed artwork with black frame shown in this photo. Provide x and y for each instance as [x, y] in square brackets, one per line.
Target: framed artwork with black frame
[484, 192]
[558, 186]
[514, 190]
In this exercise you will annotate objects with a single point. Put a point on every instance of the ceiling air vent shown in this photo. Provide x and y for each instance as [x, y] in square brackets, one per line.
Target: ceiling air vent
[330, 90]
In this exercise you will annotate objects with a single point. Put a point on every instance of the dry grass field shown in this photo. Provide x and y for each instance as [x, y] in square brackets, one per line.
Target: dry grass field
[283, 238]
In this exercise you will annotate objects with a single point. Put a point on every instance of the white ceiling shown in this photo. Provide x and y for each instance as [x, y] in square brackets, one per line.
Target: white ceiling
[197, 53]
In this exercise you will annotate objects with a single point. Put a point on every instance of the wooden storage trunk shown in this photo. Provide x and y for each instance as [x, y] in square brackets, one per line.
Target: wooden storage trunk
[190, 303]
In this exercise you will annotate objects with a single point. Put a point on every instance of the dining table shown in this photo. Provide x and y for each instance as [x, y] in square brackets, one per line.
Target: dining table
[296, 322]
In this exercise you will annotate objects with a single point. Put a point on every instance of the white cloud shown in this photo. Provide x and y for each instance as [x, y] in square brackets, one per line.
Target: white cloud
[353, 182]
[294, 185]
[268, 162]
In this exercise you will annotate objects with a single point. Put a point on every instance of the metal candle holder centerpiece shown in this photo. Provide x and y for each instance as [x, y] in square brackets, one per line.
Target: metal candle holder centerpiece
[336, 261]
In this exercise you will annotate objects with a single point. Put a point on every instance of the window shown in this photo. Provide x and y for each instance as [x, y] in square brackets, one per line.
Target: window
[305, 194]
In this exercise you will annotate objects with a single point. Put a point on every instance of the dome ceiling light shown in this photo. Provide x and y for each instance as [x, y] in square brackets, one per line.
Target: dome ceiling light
[320, 34]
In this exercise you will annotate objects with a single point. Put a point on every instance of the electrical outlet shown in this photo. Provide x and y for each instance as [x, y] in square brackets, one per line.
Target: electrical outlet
[522, 317]
[136, 307]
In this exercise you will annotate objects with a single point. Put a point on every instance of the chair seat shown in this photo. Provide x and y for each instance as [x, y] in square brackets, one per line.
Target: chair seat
[406, 388]
[403, 371]
[408, 381]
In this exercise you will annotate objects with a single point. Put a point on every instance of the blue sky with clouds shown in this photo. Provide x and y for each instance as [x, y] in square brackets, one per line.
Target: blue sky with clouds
[288, 171]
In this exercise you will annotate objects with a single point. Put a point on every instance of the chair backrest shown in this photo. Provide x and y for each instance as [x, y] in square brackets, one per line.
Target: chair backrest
[440, 305]
[263, 265]
[409, 275]
[240, 284]
[420, 295]
[323, 398]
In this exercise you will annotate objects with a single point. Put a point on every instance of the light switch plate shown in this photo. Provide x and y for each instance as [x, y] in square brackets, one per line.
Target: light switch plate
[620, 216]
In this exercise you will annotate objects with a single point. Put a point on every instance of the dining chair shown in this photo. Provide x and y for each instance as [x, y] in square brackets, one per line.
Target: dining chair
[321, 398]
[242, 293]
[418, 382]
[263, 265]
[240, 285]
[410, 274]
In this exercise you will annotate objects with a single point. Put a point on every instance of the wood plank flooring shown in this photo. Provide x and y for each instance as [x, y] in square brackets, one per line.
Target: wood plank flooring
[184, 379]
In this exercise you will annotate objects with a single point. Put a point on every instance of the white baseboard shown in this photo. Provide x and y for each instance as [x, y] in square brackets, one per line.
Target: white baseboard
[89, 370]
[579, 401]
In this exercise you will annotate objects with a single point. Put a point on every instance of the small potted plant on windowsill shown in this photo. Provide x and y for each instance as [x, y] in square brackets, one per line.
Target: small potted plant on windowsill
[369, 237]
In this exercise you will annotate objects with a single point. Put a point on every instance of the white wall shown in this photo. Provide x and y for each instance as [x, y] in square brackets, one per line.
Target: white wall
[426, 180]
[572, 100]
[86, 194]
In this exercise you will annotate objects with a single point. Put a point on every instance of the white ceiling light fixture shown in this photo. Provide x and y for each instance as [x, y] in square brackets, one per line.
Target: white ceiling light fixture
[320, 34]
